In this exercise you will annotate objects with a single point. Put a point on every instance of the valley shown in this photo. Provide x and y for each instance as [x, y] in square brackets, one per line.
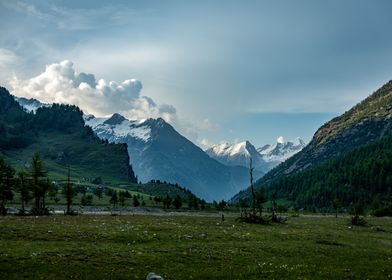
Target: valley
[202, 140]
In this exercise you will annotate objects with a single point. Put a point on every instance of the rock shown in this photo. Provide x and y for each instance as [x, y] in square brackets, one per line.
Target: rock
[153, 276]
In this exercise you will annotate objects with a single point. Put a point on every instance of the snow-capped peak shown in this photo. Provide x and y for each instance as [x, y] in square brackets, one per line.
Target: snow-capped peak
[281, 150]
[117, 127]
[238, 154]
[226, 149]
[112, 128]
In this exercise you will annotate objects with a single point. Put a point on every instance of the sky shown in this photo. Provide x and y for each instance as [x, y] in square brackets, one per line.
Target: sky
[216, 70]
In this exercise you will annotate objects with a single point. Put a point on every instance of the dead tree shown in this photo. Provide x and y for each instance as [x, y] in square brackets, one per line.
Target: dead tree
[251, 168]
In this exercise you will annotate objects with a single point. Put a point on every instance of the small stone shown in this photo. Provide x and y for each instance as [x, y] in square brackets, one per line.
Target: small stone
[153, 276]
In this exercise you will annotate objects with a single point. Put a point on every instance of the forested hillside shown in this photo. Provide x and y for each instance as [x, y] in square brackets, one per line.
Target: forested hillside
[364, 174]
[59, 135]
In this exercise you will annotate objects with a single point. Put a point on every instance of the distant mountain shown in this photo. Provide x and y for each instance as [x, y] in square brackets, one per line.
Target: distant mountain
[366, 122]
[59, 135]
[264, 158]
[158, 152]
[280, 151]
[239, 154]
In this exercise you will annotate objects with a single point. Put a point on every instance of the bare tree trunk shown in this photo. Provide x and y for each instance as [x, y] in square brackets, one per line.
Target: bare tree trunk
[69, 191]
[252, 188]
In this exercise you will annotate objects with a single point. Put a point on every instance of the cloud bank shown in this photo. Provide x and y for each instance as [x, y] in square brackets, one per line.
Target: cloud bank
[60, 83]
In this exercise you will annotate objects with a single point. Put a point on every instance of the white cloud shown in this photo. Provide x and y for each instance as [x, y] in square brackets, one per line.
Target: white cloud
[280, 140]
[206, 125]
[60, 83]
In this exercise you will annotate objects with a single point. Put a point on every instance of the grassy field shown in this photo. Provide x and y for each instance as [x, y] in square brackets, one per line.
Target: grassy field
[190, 247]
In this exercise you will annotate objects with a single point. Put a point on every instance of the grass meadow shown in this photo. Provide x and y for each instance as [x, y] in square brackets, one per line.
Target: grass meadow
[192, 247]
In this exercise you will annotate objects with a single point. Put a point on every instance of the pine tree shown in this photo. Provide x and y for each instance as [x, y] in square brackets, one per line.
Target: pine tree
[260, 199]
[135, 202]
[114, 199]
[24, 189]
[98, 192]
[6, 185]
[121, 198]
[39, 184]
[336, 205]
[167, 202]
[177, 202]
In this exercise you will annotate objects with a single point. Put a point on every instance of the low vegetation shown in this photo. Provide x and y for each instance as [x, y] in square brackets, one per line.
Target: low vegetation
[186, 247]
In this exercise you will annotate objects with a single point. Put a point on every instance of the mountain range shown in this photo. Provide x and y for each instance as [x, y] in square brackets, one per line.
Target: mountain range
[263, 159]
[280, 151]
[158, 152]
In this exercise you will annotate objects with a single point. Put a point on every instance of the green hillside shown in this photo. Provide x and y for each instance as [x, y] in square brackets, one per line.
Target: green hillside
[362, 174]
[58, 134]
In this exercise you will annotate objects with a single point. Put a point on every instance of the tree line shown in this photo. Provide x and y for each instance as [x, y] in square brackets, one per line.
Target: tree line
[34, 185]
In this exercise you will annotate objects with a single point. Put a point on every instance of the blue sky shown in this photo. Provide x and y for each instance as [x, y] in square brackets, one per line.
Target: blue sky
[218, 70]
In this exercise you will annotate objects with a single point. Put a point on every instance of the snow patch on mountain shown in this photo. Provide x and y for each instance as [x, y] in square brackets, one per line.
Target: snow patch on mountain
[225, 149]
[118, 130]
[281, 150]
[264, 158]
[116, 126]
[238, 154]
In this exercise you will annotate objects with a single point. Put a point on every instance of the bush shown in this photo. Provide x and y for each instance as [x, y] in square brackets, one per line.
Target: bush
[358, 221]
[251, 219]
[383, 211]
[86, 200]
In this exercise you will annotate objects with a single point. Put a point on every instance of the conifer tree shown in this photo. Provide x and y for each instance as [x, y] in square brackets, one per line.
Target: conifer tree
[136, 202]
[24, 189]
[6, 185]
[177, 202]
[114, 199]
[39, 184]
